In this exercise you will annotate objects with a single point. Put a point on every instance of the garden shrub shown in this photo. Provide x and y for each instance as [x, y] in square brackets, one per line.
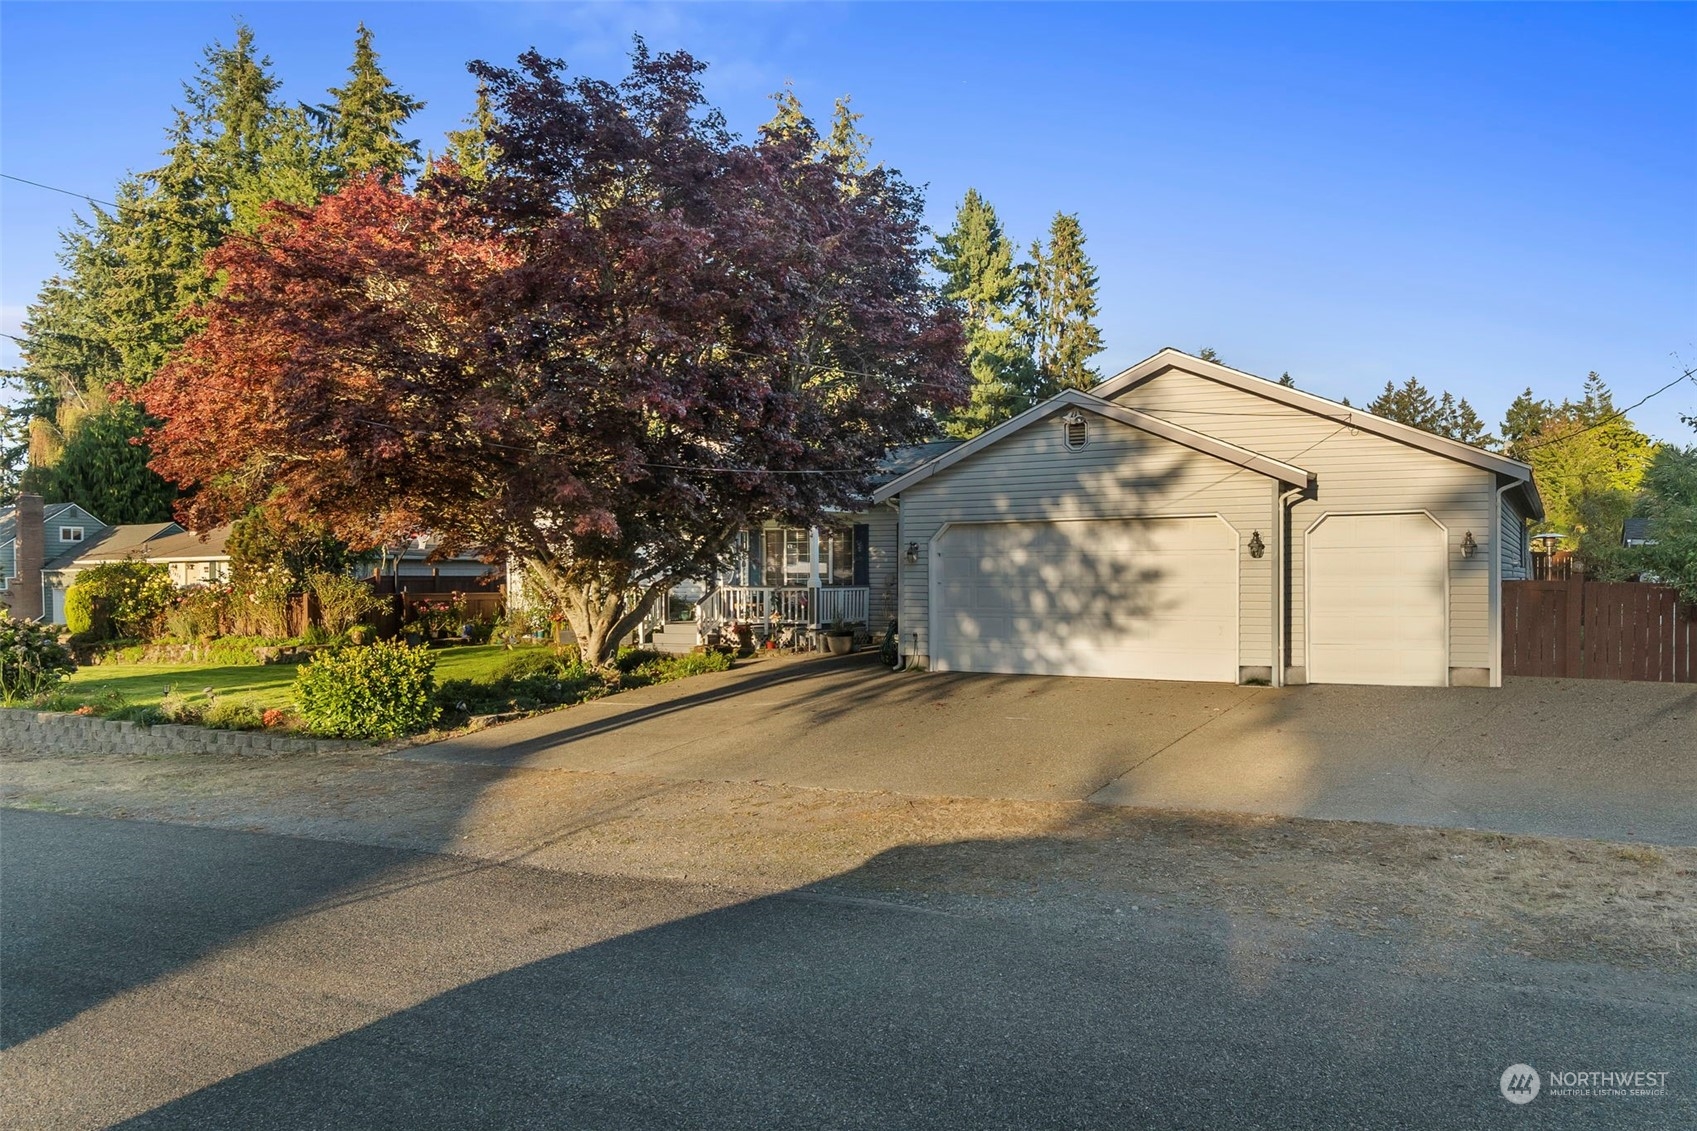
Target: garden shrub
[529, 661]
[198, 613]
[232, 714]
[383, 691]
[343, 601]
[133, 592]
[32, 661]
[698, 663]
[79, 611]
[629, 659]
[176, 707]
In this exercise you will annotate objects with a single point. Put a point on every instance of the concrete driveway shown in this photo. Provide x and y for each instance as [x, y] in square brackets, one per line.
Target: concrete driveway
[1556, 757]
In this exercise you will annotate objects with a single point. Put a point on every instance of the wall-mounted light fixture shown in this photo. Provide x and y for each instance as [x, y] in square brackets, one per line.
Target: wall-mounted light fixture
[912, 553]
[1256, 546]
[1468, 546]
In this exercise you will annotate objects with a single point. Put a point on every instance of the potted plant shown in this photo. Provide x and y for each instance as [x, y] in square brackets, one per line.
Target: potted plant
[839, 637]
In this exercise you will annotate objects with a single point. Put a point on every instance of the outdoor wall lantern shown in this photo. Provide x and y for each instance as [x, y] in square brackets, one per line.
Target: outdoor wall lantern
[913, 553]
[1468, 545]
[1256, 546]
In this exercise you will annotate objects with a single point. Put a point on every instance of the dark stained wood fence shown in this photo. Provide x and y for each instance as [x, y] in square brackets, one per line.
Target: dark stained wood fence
[1598, 630]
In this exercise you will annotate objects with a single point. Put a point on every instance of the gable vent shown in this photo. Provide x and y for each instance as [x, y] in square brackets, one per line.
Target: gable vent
[1074, 430]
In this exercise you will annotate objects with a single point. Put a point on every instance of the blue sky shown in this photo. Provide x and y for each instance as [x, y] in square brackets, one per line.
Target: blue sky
[1486, 197]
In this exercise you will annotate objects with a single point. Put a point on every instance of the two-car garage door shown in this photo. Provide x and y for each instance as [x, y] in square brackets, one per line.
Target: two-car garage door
[1130, 598]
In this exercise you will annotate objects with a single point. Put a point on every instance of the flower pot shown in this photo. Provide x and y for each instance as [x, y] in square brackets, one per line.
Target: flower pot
[840, 644]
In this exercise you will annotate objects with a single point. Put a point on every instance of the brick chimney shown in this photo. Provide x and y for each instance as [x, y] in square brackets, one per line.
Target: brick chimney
[31, 551]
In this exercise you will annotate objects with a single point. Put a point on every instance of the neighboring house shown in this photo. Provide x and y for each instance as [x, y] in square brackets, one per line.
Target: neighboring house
[1636, 532]
[44, 547]
[33, 533]
[1185, 520]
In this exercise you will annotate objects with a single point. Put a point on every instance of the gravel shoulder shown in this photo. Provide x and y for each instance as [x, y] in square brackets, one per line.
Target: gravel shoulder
[1626, 905]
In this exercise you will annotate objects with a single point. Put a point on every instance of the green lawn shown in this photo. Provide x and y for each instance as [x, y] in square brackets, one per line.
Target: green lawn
[143, 685]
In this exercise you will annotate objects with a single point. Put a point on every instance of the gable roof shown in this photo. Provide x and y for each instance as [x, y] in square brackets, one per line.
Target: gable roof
[1131, 417]
[1170, 358]
[115, 544]
[9, 517]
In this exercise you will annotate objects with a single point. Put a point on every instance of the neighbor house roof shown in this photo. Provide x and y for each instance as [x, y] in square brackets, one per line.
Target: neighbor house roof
[1133, 418]
[1635, 532]
[900, 461]
[187, 546]
[1356, 418]
[115, 544]
[9, 518]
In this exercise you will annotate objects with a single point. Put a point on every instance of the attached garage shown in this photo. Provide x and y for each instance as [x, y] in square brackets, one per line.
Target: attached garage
[1152, 598]
[1378, 601]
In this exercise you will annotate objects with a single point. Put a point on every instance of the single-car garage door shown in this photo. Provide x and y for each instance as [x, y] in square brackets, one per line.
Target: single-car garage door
[1130, 598]
[1377, 603]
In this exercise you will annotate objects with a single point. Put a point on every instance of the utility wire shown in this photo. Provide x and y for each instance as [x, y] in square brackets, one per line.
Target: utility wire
[1609, 419]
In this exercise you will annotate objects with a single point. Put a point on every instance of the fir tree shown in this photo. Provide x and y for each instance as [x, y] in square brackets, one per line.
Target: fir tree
[1525, 418]
[1411, 403]
[1061, 308]
[845, 142]
[472, 149]
[1286, 380]
[976, 261]
[365, 120]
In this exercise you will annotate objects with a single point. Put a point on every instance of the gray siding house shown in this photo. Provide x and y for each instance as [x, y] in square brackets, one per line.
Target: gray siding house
[1185, 520]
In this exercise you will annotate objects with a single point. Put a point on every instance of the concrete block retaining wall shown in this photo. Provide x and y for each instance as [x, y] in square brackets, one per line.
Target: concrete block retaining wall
[50, 732]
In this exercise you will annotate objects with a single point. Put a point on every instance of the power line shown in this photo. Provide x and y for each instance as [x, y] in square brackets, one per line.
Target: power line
[1612, 417]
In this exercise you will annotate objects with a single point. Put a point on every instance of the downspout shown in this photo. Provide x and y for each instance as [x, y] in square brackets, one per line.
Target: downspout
[1281, 526]
[895, 504]
[1495, 603]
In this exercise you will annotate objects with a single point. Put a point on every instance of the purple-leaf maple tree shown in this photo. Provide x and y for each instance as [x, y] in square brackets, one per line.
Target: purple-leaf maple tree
[634, 338]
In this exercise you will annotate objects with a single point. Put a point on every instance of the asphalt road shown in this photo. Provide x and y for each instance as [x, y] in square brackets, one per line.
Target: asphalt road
[167, 976]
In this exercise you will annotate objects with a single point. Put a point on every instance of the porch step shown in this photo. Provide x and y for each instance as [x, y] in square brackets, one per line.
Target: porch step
[676, 637]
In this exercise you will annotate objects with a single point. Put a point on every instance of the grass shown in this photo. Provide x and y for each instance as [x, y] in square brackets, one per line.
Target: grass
[144, 685]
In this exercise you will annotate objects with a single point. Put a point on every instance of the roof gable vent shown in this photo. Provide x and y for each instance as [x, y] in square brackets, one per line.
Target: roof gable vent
[1074, 430]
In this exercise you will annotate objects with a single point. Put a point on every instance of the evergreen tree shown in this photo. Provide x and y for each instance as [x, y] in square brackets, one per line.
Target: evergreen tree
[1061, 308]
[1462, 423]
[365, 120]
[472, 149]
[976, 261]
[1286, 380]
[1525, 418]
[1206, 353]
[1411, 403]
[100, 466]
[845, 142]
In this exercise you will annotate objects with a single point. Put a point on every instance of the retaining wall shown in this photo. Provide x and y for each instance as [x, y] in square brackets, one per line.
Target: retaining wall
[51, 732]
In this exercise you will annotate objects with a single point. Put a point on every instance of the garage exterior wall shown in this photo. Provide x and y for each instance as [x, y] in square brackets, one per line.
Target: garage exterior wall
[1121, 473]
[1516, 567]
[1356, 472]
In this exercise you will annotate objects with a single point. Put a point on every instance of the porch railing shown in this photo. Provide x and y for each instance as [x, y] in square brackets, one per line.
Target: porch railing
[786, 605]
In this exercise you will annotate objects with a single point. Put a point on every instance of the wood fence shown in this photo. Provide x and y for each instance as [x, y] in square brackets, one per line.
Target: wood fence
[1598, 630]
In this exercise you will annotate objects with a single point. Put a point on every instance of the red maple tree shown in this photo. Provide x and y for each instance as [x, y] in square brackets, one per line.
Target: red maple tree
[636, 337]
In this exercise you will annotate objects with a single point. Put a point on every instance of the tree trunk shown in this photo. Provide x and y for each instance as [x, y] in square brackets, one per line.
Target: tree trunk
[601, 606]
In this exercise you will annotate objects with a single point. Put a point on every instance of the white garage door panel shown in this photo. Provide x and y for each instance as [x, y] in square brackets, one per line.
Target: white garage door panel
[1134, 599]
[1377, 606]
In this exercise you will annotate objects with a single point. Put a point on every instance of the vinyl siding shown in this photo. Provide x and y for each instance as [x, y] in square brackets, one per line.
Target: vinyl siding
[883, 562]
[1514, 539]
[1120, 473]
[1357, 472]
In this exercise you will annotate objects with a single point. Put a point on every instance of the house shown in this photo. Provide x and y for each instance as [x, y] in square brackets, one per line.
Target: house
[813, 576]
[1185, 520]
[32, 533]
[1636, 532]
[44, 546]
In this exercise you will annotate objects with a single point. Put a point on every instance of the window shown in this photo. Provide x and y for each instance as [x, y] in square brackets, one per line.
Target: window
[836, 556]
[1073, 429]
[796, 558]
[70, 534]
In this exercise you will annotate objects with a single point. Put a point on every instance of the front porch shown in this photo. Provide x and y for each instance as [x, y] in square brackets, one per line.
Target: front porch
[767, 608]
